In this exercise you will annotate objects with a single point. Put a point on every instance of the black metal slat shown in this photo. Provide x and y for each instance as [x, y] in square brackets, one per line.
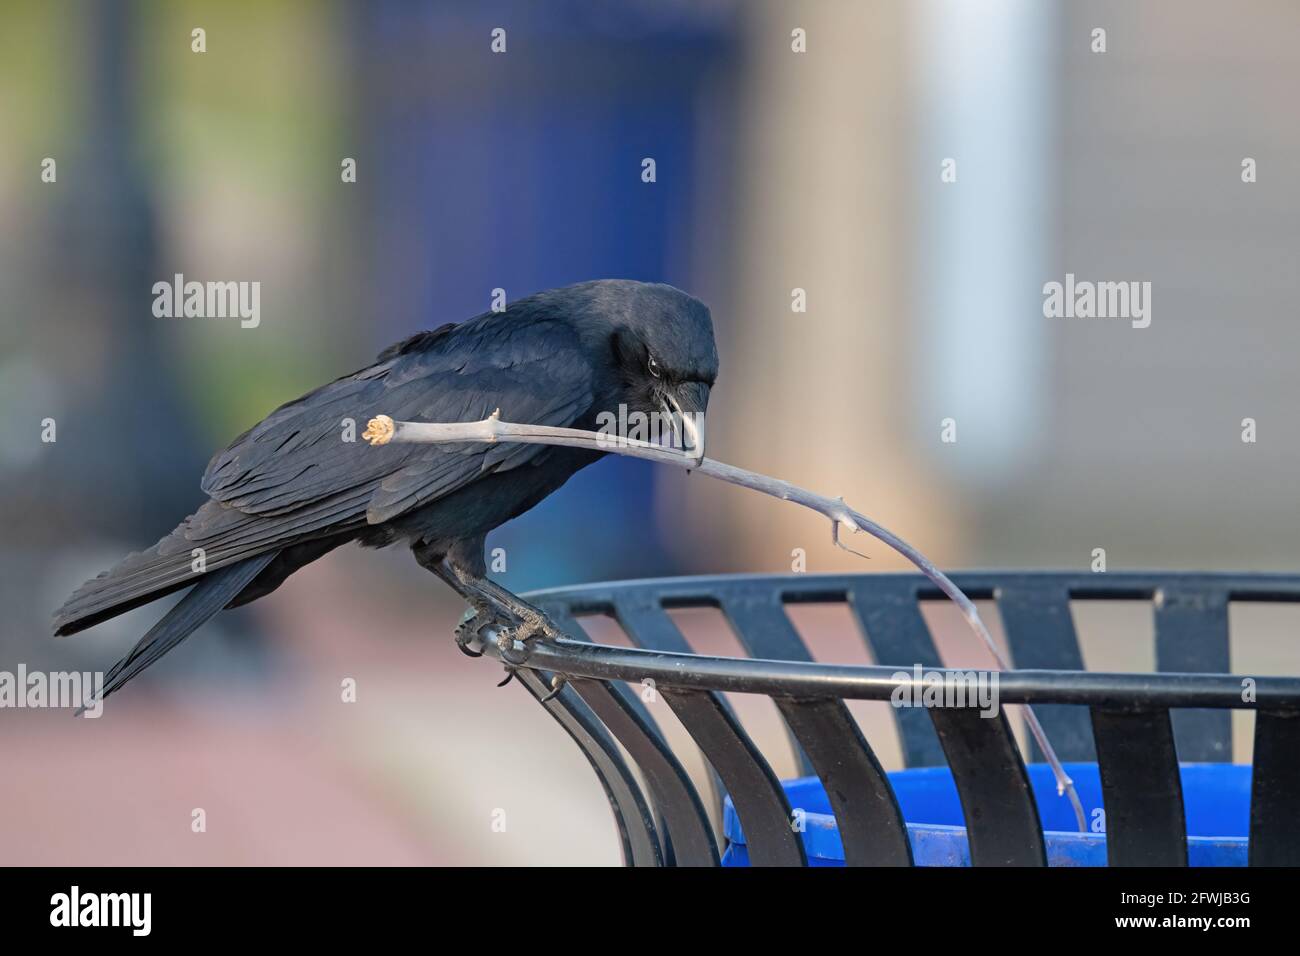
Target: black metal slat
[632, 815]
[755, 791]
[870, 823]
[562, 617]
[764, 630]
[1002, 821]
[649, 626]
[1192, 638]
[762, 626]
[1040, 635]
[1140, 788]
[1275, 790]
[896, 634]
[565, 621]
[687, 823]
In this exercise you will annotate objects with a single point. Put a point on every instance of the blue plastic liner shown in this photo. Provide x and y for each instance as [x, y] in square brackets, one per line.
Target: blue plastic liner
[1216, 803]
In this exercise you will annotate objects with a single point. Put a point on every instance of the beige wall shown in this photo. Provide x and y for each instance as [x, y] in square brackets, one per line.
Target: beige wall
[817, 398]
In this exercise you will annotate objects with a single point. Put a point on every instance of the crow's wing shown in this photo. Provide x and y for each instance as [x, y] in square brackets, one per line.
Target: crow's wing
[292, 477]
[296, 462]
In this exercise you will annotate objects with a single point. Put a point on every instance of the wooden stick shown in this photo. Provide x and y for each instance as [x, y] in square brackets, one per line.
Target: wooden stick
[381, 430]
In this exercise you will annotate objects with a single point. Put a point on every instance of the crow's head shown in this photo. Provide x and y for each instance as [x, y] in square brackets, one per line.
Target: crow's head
[660, 349]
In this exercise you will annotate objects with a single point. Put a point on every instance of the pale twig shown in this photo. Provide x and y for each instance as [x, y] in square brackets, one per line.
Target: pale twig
[382, 430]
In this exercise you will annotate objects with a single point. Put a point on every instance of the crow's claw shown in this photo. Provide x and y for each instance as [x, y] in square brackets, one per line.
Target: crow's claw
[470, 628]
[466, 631]
[510, 674]
[506, 638]
[557, 685]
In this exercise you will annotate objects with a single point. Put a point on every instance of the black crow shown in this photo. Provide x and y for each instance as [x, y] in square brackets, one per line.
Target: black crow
[293, 487]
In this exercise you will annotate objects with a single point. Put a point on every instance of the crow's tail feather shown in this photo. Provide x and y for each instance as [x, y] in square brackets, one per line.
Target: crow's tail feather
[214, 591]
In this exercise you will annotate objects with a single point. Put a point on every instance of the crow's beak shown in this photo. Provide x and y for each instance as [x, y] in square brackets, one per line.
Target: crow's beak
[685, 406]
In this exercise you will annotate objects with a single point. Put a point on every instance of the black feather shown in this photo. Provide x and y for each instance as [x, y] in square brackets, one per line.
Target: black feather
[213, 592]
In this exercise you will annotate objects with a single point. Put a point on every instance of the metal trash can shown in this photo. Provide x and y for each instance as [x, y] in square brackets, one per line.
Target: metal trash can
[1150, 753]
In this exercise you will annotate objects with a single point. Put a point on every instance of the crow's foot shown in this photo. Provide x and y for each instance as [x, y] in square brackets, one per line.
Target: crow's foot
[535, 625]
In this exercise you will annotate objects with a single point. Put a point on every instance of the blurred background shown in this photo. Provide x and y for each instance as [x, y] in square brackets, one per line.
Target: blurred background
[775, 171]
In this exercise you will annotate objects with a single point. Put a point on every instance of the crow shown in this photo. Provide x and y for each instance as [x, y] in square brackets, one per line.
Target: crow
[299, 484]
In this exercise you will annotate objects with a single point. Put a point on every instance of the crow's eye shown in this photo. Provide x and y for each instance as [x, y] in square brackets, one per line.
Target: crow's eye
[653, 366]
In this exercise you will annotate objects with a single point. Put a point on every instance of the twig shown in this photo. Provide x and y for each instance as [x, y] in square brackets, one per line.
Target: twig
[382, 430]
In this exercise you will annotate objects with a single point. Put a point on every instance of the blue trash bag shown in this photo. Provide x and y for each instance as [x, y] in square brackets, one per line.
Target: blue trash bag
[1216, 804]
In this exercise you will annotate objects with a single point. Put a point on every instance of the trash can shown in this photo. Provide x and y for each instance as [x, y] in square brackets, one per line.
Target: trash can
[1152, 754]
